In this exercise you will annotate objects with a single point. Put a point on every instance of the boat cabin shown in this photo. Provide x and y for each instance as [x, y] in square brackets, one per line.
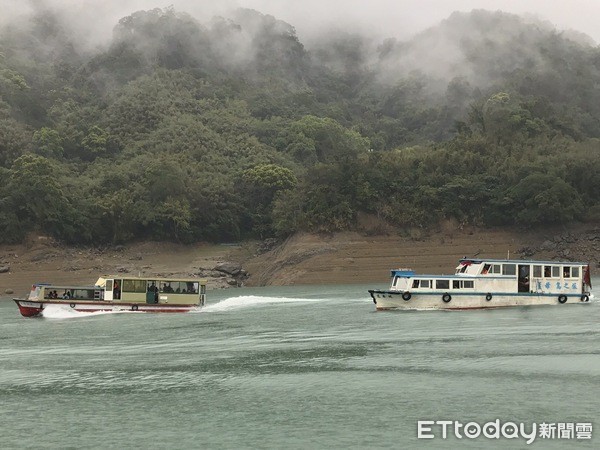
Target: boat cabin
[118, 288]
[510, 276]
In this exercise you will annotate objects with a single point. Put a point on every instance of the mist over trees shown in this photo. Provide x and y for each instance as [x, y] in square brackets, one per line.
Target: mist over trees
[234, 128]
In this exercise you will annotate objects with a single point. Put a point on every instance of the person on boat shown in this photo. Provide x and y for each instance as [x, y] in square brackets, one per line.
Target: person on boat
[67, 294]
[167, 287]
[153, 288]
[116, 290]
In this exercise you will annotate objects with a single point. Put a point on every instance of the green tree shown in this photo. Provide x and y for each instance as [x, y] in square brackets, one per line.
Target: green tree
[95, 143]
[314, 139]
[37, 197]
[117, 216]
[47, 143]
[260, 185]
[544, 199]
[15, 139]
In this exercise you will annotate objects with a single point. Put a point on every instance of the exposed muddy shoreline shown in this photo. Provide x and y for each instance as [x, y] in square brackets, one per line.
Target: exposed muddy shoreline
[342, 258]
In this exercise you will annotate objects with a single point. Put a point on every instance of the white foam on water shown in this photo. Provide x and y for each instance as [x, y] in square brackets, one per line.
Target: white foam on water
[228, 304]
[250, 301]
[66, 312]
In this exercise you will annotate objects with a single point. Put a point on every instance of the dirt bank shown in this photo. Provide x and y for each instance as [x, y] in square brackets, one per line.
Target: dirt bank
[357, 258]
[41, 259]
[302, 259]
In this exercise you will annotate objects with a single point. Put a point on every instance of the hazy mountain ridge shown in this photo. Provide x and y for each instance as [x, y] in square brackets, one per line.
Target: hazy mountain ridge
[178, 129]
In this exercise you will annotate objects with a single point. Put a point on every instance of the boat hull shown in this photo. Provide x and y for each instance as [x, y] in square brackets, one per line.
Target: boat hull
[404, 300]
[29, 308]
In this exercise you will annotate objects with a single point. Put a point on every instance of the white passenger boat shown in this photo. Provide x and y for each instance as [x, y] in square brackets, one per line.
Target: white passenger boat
[488, 283]
[118, 293]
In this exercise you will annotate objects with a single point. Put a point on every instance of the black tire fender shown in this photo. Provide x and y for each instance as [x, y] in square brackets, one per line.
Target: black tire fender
[585, 298]
[72, 305]
[134, 307]
[406, 296]
[488, 296]
[562, 298]
[446, 298]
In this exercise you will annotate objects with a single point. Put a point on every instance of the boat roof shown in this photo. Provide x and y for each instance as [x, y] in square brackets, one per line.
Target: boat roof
[521, 261]
[101, 282]
[401, 272]
[152, 278]
[64, 286]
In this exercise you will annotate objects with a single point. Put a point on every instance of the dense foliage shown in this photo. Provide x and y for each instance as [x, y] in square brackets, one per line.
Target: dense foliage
[183, 131]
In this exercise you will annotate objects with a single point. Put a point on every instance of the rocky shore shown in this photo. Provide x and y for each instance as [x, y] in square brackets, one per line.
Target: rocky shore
[42, 259]
[359, 258]
[342, 258]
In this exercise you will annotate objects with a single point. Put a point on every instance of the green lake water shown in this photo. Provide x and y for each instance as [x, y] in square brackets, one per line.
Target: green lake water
[294, 368]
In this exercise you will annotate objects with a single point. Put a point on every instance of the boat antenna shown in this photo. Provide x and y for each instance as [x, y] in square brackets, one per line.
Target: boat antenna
[508, 255]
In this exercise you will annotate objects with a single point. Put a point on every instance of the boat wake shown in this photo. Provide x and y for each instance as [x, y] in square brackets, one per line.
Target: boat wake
[228, 304]
[65, 312]
[250, 301]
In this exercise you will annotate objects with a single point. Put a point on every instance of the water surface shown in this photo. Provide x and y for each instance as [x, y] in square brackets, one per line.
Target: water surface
[295, 367]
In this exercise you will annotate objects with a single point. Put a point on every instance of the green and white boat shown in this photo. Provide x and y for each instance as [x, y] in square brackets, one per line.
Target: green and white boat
[118, 293]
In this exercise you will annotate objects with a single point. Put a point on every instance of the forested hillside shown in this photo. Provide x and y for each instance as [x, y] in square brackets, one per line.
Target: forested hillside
[184, 130]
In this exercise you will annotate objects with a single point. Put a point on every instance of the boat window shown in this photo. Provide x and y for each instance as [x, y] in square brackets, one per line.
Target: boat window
[165, 286]
[555, 271]
[134, 286]
[456, 284]
[566, 272]
[575, 272]
[442, 284]
[35, 291]
[468, 284]
[49, 292]
[537, 271]
[547, 271]
[179, 287]
[192, 288]
[83, 294]
[486, 268]
[415, 284]
[462, 284]
[496, 268]
[425, 283]
[509, 269]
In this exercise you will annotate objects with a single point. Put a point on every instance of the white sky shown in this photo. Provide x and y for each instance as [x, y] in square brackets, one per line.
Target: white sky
[387, 18]
[404, 18]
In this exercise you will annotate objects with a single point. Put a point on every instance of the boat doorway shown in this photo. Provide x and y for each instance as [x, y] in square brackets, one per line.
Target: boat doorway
[152, 292]
[108, 289]
[524, 284]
